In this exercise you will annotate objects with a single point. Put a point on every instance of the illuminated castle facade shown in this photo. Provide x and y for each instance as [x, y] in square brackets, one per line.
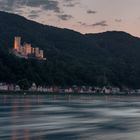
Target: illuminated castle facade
[26, 50]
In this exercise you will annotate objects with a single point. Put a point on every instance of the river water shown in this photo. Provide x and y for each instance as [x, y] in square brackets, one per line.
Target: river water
[69, 117]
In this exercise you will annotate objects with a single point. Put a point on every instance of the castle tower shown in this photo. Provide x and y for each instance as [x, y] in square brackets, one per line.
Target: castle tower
[17, 43]
[37, 53]
[41, 54]
[28, 48]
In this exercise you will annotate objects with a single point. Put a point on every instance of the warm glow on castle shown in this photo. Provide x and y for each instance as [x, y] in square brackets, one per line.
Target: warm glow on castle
[26, 50]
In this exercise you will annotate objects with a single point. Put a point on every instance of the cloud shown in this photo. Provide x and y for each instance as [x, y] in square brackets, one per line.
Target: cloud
[7, 5]
[44, 5]
[91, 12]
[12, 5]
[48, 5]
[34, 14]
[70, 3]
[118, 20]
[52, 5]
[100, 23]
[65, 17]
[82, 23]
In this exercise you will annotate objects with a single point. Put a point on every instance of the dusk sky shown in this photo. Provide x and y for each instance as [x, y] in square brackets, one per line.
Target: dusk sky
[81, 15]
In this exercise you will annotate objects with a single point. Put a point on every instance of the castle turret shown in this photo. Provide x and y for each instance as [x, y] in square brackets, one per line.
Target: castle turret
[17, 43]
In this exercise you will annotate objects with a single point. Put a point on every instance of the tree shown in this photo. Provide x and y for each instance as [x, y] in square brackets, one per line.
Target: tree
[24, 84]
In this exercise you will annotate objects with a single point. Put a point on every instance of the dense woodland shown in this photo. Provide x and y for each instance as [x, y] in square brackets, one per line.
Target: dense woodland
[110, 58]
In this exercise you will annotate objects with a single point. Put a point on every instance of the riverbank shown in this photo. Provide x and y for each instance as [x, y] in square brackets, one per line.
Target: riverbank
[57, 93]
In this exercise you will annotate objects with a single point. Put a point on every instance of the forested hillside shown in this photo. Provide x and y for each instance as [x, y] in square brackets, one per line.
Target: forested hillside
[110, 58]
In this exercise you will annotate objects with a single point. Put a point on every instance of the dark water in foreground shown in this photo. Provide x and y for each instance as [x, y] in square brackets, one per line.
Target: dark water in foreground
[56, 117]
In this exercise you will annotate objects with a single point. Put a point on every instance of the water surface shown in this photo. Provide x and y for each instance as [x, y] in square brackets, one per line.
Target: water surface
[69, 117]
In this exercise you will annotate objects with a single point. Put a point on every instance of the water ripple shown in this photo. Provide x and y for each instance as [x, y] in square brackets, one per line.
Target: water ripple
[56, 117]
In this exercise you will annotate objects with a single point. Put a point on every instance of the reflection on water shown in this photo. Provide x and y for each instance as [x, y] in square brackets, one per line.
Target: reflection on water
[67, 117]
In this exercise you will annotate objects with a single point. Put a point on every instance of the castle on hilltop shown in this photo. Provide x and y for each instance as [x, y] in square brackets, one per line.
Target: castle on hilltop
[26, 50]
